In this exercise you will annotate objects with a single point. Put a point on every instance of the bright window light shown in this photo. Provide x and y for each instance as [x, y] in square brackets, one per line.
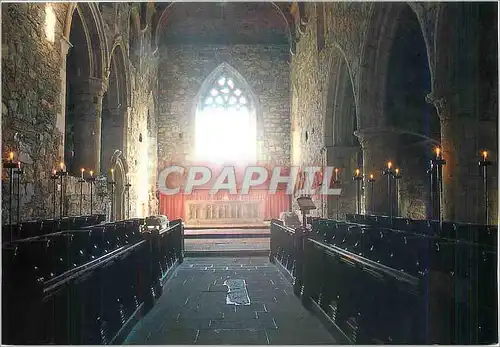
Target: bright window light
[50, 23]
[225, 125]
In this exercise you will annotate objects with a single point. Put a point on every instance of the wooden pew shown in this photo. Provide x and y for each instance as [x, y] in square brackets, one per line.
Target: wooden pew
[85, 286]
[35, 228]
[380, 285]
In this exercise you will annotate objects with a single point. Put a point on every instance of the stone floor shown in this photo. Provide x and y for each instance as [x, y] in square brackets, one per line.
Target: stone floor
[226, 244]
[193, 309]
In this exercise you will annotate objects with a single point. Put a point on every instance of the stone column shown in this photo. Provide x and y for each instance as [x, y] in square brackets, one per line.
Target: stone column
[61, 116]
[344, 158]
[463, 136]
[113, 132]
[379, 147]
[87, 123]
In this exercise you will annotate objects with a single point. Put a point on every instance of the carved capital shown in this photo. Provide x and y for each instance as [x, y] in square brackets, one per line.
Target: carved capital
[439, 102]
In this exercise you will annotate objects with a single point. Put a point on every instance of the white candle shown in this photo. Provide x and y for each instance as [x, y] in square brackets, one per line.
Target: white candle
[82, 170]
[112, 175]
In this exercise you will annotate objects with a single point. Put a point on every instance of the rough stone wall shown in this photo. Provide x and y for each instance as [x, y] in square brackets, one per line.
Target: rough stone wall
[31, 89]
[347, 27]
[184, 68]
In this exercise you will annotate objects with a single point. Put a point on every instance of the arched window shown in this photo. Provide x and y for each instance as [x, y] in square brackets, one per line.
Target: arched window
[225, 119]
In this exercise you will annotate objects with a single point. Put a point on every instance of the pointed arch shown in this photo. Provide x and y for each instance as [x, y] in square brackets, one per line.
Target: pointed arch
[341, 116]
[223, 95]
[94, 32]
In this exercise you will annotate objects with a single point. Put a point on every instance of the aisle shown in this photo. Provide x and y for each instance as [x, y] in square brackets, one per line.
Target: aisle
[193, 308]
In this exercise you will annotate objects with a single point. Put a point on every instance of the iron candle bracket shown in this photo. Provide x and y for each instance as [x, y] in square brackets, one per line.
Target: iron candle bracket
[484, 163]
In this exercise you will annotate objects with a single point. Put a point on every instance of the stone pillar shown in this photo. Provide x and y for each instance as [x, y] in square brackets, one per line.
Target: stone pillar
[379, 147]
[113, 131]
[61, 116]
[344, 158]
[87, 123]
[463, 136]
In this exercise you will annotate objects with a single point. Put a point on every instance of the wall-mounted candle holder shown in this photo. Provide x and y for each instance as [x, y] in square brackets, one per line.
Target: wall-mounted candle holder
[483, 164]
[357, 178]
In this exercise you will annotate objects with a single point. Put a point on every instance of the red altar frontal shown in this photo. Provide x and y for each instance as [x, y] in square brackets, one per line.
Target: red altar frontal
[201, 207]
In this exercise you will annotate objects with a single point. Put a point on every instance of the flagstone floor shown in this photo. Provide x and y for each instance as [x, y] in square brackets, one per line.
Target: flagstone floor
[193, 308]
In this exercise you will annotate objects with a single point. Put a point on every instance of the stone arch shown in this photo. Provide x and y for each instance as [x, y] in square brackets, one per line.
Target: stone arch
[120, 170]
[154, 24]
[341, 117]
[114, 109]
[82, 75]
[94, 33]
[285, 15]
[134, 37]
[144, 15]
[225, 69]
[342, 149]
[414, 123]
[379, 35]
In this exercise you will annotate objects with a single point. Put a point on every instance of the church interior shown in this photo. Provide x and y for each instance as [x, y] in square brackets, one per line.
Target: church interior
[107, 107]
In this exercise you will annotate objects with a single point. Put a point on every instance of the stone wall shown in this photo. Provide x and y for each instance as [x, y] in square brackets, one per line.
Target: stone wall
[359, 34]
[31, 104]
[184, 68]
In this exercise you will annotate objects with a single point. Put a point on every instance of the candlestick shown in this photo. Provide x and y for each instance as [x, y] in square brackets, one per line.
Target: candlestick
[371, 180]
[19, 173]
[9, 165]
[397, 177]
[54, 178]
[337, 185]
[112, 183]
[61, 174]
[357, 178]
[389, 173]
[436, 182]
[127, 187]
[483, 164]
[91, 180]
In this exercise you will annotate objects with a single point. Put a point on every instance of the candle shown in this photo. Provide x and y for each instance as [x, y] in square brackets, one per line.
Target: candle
[18, 164]
[61, 165]
[485, 155]
[54, 172]
[336, 174]
[112, 175]
[11, 156]
[371, 176]
[82, 170]
[91, 173]
[438, 152]
[397, 171]
[389, 165]
[357, 172]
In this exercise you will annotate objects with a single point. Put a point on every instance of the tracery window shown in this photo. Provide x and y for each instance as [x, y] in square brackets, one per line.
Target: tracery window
[225, 121]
